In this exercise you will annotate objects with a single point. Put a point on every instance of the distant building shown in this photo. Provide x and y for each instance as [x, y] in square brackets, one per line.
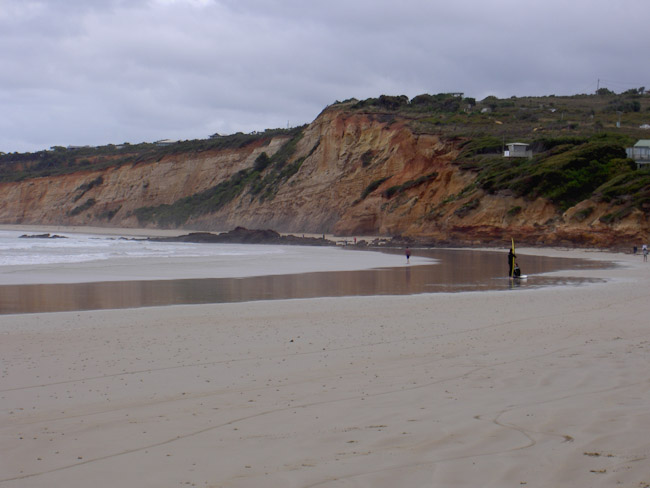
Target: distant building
[517, 150]
[640, 152]
[165, 142]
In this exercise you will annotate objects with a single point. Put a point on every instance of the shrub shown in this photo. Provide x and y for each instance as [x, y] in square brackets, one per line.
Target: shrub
[481, 145]
[442, 102]
[372, 187]
[467, 208]
[83, 207]
[390, 192]
[393, 102]
[261, 162]
[583, 214]
[109, 214]
[393, 190]
[366, 158]
[88, 186]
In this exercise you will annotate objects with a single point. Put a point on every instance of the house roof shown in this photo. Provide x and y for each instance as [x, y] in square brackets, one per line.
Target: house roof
[643, 143]
[516, 144]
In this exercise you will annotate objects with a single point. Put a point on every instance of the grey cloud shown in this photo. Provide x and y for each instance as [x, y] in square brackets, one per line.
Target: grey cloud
[80, 72]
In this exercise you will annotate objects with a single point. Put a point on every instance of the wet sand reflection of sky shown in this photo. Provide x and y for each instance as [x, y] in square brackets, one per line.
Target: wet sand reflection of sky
[454, 271]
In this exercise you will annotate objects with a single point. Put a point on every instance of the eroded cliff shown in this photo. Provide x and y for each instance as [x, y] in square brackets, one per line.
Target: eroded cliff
[352, 173]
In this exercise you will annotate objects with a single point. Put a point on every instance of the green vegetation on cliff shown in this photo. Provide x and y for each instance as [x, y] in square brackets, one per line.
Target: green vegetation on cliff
[628, 190]
[578, 142]
[60, 160]
[453, 114]
[210, 200]
[261, 181]
[566, 171]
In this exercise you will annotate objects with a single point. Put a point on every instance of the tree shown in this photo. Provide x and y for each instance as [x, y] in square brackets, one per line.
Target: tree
[261, 162]
[393, 102]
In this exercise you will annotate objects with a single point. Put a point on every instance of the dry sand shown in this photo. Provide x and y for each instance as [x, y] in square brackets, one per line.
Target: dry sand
[536, 388]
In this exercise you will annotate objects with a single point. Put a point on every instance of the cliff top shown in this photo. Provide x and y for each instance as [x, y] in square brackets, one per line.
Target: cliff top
[520, 119]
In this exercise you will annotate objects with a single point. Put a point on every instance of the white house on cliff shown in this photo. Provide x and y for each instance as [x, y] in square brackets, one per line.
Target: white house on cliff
[640, 152]
[517, 150]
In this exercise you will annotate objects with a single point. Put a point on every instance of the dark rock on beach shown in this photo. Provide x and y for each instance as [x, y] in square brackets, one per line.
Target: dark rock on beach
[42, 236]
[241, 235]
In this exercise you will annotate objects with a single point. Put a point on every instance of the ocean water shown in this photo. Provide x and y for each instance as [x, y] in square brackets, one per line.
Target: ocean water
[80, 248]
[85, 258]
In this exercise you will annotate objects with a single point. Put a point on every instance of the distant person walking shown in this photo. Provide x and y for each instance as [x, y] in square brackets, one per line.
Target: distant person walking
[408, 254]
[645, 252]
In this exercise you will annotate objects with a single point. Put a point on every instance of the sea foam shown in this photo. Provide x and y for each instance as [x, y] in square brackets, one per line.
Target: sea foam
[79, 248]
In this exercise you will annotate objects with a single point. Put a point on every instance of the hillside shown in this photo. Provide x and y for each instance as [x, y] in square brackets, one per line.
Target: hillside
[430, 169]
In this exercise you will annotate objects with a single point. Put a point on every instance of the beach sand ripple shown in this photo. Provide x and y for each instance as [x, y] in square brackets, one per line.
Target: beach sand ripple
[535, 388]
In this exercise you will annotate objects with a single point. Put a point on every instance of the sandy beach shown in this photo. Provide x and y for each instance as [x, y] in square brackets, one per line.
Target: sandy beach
[536, 388]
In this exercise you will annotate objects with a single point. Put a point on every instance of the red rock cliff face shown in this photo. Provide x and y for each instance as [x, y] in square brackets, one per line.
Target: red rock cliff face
[361, 174]
[53, 200]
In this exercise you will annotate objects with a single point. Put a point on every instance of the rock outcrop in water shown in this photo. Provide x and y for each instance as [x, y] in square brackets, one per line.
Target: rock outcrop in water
[41, 236]
[241, 235]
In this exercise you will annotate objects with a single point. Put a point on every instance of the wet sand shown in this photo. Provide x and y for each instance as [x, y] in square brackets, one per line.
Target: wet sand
[453, 271]
[538, 387]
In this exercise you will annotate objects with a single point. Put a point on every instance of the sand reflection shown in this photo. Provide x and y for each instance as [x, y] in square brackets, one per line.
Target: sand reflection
[455, 271]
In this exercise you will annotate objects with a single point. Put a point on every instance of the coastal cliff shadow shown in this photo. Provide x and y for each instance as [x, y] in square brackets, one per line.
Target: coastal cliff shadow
[453, 271]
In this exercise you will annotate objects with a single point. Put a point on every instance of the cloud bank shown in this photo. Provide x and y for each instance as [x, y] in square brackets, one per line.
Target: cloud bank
[110, 71]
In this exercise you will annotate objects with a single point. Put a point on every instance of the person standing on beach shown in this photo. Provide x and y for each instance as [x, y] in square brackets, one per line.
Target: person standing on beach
[408, 254]
[645, 252]
[511, 261]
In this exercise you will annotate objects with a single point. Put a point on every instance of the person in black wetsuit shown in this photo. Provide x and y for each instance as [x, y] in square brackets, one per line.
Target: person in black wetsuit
[511, 260]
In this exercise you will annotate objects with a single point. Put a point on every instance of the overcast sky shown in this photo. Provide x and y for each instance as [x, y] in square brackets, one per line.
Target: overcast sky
[78, 72]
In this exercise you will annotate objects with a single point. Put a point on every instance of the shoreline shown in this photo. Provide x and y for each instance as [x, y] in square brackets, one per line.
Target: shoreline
[195, 261]
[200, 267]
[107, 231]
[538, 387]
[139, 232]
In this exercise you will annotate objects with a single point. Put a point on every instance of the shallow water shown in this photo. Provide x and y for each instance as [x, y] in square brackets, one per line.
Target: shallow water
[456, 271]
